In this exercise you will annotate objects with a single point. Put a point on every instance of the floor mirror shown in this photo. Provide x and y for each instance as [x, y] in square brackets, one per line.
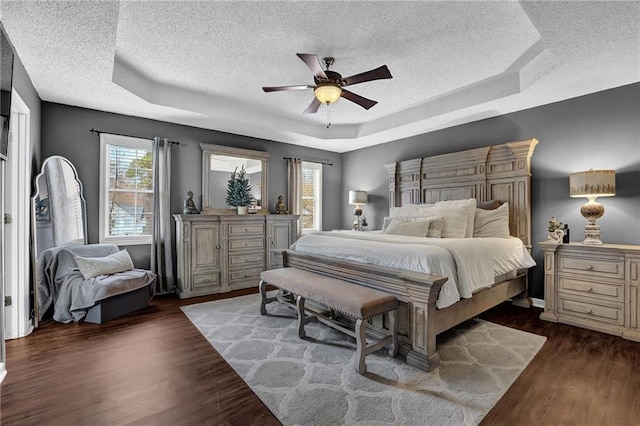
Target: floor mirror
[58, 213]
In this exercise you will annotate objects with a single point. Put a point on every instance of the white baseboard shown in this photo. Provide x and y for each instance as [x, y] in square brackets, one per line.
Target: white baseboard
[538, 303]
[3, 371]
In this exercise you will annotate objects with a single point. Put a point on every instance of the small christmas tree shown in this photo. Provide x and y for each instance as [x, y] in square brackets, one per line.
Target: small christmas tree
[239, 189]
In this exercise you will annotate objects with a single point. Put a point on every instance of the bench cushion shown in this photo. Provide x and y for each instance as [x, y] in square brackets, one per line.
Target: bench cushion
[351, 299]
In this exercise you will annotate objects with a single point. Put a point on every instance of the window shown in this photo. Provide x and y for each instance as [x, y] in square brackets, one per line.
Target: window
[126, 190]
[311, 197]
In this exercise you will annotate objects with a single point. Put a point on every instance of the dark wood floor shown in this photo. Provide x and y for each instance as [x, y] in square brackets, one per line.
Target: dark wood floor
[154, 368]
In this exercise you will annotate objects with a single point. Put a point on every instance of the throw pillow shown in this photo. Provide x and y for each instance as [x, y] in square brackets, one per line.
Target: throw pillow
[492, 223]
[435, 224]
[91, 267]
[412, 228]
[468, 206]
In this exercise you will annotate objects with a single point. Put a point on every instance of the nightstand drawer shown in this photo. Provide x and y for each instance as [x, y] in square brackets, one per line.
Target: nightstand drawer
[605, 267]
[246, 244]
[614, 291]
[591, 311]
[242, 229]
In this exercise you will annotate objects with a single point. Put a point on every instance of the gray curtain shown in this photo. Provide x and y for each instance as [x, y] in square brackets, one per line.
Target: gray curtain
[294, 180]
[161, 259]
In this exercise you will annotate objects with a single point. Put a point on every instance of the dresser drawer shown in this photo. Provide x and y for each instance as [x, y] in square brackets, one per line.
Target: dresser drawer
[210, 280]
[243, 229]
[246, 244]
[608, 314]
[251, 274]
[613, 291]
[602, 266]
[246, 259]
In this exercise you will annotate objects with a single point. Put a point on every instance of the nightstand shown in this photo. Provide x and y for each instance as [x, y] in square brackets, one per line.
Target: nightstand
[594, 287]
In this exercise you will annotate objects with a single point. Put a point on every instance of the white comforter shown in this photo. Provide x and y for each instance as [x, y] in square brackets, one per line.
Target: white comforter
[470, 264]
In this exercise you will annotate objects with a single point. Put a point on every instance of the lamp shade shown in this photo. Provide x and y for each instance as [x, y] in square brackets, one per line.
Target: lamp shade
[328, 93]
[593, 183]
[358, 197]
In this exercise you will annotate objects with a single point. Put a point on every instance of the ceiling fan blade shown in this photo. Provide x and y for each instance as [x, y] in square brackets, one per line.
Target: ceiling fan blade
[283, 88]
[313, 106]
[360, 100]
[377, 74]
[313, 63]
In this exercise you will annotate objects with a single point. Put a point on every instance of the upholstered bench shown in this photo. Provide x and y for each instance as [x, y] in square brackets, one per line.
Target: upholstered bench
[358, 302]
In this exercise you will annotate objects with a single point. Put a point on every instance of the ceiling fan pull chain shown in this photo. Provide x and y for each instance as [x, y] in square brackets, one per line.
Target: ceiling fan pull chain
[328, 115]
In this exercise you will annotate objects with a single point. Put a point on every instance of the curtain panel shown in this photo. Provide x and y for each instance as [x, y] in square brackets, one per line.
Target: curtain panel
[161, 242]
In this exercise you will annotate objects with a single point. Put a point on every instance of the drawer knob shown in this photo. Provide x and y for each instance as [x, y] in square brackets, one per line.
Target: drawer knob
[246, 260]
[590, 312]
[273, 243]
[589, 267]
[218, 246]
[246, 230]
[589, 289]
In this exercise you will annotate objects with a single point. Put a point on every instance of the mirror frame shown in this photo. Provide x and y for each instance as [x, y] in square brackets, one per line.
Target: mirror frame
[211, 149]
[34, 225]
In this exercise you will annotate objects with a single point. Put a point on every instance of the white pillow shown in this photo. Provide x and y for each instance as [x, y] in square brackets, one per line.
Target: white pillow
[492, 223]
[435, 224]
[412, 228]
[455, 218]
[469, 207]
[91, 267]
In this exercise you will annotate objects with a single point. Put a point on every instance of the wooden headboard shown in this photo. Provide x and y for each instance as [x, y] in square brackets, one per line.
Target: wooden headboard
[498, 172]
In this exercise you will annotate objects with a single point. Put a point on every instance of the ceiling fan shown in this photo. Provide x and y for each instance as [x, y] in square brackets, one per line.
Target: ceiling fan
[329, 85]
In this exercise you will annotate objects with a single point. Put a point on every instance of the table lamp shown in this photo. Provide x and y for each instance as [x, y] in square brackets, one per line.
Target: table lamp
[592, 184]
[358, 198]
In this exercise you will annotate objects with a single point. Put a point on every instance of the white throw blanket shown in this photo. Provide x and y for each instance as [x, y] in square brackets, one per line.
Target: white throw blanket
[470, 264]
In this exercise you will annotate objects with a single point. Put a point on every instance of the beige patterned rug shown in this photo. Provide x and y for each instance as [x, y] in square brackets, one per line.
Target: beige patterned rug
[313, 382]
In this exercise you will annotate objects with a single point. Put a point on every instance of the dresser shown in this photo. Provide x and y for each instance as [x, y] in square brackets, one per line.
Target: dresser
[594, 287]
[221, 253]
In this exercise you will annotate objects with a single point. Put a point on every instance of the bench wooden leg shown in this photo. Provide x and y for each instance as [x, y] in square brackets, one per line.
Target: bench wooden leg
[303, 319]
[264, 299]
[361, 345]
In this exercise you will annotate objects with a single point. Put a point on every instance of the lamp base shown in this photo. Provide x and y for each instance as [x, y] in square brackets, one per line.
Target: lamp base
[592, 235]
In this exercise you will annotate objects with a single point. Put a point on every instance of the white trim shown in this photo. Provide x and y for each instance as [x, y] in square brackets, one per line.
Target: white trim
[538, 303]
[317, 196]
[16, 236]
[110, 139]
[3, 371]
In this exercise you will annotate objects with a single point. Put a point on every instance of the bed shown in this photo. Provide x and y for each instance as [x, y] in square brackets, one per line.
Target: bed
[499, 173]
[73, 286]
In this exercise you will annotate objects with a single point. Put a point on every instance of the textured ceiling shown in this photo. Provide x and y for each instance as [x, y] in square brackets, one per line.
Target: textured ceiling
[204, 63]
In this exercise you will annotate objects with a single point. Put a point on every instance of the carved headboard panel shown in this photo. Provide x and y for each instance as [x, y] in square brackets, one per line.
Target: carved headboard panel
[498, 172]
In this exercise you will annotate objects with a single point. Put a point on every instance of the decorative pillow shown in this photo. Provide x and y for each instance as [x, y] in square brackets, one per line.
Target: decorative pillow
[488, 205]
[412, 228]
[411, 210]
[492, 223]
[468, 206]
[435, 228]
[91, 267]
[435, 224]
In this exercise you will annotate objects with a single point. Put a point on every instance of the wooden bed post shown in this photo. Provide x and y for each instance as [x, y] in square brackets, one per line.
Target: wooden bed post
[423, 334]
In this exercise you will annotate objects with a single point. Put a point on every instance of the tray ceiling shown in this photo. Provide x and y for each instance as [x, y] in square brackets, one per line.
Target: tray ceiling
[204, 63]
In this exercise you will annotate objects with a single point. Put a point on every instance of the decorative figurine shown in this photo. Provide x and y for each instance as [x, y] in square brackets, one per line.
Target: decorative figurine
[189, 205]
[281, 207]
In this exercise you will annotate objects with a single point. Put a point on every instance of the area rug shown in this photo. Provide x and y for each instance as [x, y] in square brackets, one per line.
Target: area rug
[313, 381]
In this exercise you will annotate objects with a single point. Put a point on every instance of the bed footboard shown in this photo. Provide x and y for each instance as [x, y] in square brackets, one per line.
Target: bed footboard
[416, 292]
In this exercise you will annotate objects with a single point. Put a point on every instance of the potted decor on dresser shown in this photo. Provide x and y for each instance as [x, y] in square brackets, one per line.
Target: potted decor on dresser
[239, 191]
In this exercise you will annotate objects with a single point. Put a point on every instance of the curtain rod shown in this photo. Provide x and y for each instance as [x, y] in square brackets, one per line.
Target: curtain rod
[129, 136]
[323, 162]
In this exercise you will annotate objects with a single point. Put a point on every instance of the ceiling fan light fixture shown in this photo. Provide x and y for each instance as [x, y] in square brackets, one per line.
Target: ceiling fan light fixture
[328, 93]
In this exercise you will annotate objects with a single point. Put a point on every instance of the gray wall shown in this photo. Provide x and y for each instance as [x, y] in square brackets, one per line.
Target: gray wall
[65, 131]
[600, 130]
